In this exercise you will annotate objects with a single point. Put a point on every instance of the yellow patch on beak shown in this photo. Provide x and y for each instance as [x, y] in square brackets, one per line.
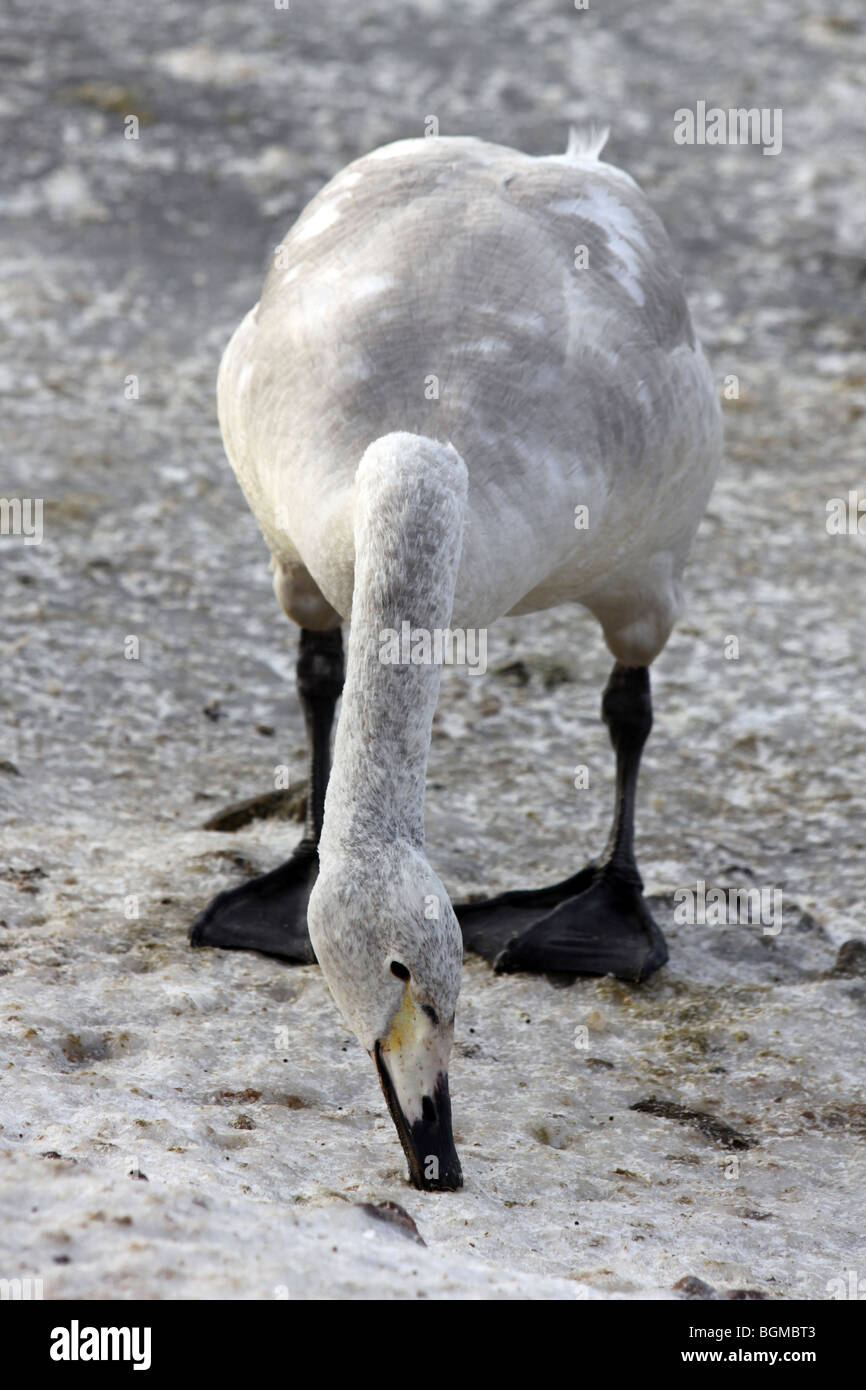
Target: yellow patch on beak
[404, 1028]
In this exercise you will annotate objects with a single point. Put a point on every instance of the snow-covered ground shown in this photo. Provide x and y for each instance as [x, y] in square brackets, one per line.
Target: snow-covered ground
[179, 1124]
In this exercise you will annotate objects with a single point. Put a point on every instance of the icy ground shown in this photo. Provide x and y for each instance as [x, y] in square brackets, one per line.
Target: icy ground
[179, 1124]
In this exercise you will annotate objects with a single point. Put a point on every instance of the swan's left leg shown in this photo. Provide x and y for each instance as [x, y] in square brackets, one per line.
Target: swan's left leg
[269, 914]
[596, 922]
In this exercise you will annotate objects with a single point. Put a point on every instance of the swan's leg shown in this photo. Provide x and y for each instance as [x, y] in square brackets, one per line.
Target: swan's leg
[269, 914]
[597, 922]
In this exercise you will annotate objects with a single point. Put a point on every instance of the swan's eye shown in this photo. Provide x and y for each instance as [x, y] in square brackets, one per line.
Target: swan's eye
[399, 970]
[431, 1013]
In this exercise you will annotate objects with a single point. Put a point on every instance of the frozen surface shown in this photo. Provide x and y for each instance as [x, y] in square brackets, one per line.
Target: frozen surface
[229, 1082]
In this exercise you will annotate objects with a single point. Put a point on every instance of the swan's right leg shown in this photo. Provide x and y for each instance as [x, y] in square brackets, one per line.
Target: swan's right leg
[596, 922]
[269, 914]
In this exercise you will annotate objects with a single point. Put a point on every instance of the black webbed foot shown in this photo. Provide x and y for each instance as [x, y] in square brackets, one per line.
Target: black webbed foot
[491, 923]
[267, 914]
[605, 930]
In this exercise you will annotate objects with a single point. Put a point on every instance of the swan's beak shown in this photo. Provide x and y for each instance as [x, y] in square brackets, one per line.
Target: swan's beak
[412, 1063]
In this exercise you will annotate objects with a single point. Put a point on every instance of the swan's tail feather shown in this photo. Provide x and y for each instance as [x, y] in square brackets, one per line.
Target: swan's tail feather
[586, 144]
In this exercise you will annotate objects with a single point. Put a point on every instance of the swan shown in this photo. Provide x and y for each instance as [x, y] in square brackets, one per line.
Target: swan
[470, 388]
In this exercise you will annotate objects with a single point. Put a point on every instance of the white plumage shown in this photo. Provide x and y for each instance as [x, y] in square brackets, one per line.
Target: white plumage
[454, 259]
[461, 350]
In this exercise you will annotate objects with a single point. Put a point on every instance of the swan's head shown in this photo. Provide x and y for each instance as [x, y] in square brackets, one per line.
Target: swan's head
[386, 937]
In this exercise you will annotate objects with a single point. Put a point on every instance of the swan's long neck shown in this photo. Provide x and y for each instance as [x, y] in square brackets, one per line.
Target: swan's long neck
[410, 501]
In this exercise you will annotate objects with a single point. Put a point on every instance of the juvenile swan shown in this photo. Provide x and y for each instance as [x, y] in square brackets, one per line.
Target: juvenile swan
[470, 388]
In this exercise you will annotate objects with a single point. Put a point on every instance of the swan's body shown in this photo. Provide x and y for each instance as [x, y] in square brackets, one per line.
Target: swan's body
[458, 350]
[558, 386]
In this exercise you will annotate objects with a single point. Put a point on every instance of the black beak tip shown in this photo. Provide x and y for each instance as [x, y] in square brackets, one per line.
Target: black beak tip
[428, 1143]
[448, 1178]
[433, 1162]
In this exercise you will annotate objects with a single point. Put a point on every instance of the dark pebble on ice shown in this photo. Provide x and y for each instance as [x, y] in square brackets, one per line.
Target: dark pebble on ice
[712, 1128]
[851, 959]
[278, 805]
[25, 880]
[553, 673]
[516, 671]
[394, 1215]
[690, 1287]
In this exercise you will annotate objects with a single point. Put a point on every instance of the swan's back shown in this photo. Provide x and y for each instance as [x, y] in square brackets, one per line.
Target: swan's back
[454, 259]
[528, 310]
